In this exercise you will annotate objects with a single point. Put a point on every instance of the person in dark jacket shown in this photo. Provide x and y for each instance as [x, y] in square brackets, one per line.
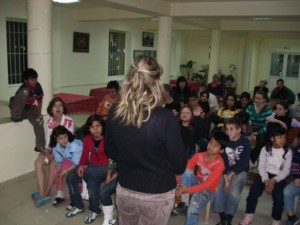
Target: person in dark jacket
[144, 138]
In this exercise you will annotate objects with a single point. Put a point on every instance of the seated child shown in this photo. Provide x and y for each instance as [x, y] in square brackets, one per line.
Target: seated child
[106, 192]
[57, 112]
[112, 97]
[291, 191]
[245, 101]
[67, 152]
[273, 166]
[228, 110]
[27, 104]
[236, 157]
[210, 167]
[193, 101]
[171, 103]
[192, 132]
[92, 168]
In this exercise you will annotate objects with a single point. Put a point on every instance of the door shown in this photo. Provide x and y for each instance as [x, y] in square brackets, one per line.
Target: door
[285, 66]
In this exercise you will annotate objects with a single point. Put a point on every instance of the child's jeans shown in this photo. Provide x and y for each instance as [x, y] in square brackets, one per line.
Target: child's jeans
[199, 199]
[60, 181]
[229, 202]
[107, 190]
[93, 176]
[256, 191]
[290, 192]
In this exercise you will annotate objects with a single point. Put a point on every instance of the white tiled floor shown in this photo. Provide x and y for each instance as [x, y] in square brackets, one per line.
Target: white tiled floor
[16, 208]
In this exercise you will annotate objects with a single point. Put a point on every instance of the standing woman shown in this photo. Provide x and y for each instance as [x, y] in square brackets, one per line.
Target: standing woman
[258, 113]
[144, 139]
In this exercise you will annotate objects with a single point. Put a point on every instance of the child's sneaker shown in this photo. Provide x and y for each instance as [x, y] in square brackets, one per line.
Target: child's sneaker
[39, 201]
[74, 211]
[34, 195]
[57, 201]
[295, 221]
[248, 218]
[180, 209]
[70, 206]
[91, 217]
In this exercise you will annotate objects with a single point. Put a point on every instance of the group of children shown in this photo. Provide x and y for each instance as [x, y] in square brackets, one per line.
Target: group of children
[69, 159]
[218, 160]
[220, 172]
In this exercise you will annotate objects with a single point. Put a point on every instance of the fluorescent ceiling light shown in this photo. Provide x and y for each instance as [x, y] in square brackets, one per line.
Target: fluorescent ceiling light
[262, 18]
[65, 1]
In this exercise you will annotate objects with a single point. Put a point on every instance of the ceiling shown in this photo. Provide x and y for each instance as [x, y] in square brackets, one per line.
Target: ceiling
[233, 15]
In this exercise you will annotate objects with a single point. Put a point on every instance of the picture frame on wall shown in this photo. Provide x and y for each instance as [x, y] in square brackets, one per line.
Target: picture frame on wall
[148, 39]
[137, 53]
[81, 42]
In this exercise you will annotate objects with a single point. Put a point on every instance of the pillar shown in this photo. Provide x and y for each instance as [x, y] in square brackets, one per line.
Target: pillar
[39, 29]
[214, 54]
[164, 46]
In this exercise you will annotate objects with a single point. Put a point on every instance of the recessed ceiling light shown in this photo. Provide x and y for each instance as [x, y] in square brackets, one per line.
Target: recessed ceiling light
[262, 18]
[66, 1]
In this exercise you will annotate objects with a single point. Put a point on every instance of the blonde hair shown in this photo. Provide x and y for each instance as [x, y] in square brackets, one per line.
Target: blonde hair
[142, 91]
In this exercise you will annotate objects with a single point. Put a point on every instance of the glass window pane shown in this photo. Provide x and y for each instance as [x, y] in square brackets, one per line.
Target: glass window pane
[16, 34]
[276, 64]
[116, 56]
[292, 69]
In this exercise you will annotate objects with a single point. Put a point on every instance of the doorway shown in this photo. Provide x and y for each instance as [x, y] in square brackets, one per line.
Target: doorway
[285, 66]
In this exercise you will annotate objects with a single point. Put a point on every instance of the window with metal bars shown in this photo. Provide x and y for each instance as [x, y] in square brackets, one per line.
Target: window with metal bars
[16, 34]
[116, 54]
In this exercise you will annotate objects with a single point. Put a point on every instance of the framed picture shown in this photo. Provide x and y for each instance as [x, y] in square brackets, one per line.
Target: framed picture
[148, 39]
[137, 53]
[81, 42]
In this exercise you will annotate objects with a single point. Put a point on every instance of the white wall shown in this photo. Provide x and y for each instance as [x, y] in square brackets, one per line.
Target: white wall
[79, 72]
[8, 9]
[17, 154]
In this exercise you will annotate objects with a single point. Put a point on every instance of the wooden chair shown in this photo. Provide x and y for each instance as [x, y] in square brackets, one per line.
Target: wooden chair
[207, 212]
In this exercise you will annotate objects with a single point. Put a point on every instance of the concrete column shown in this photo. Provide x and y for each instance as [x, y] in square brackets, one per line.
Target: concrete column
[255, 64]
[240, 76]
[39, 14]
[164, 46]
[214, 54]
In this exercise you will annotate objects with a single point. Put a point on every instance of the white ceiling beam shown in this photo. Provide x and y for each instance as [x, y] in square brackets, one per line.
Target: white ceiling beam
[150, 7]
[259, 25]
[241, 8]
[106, 13]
